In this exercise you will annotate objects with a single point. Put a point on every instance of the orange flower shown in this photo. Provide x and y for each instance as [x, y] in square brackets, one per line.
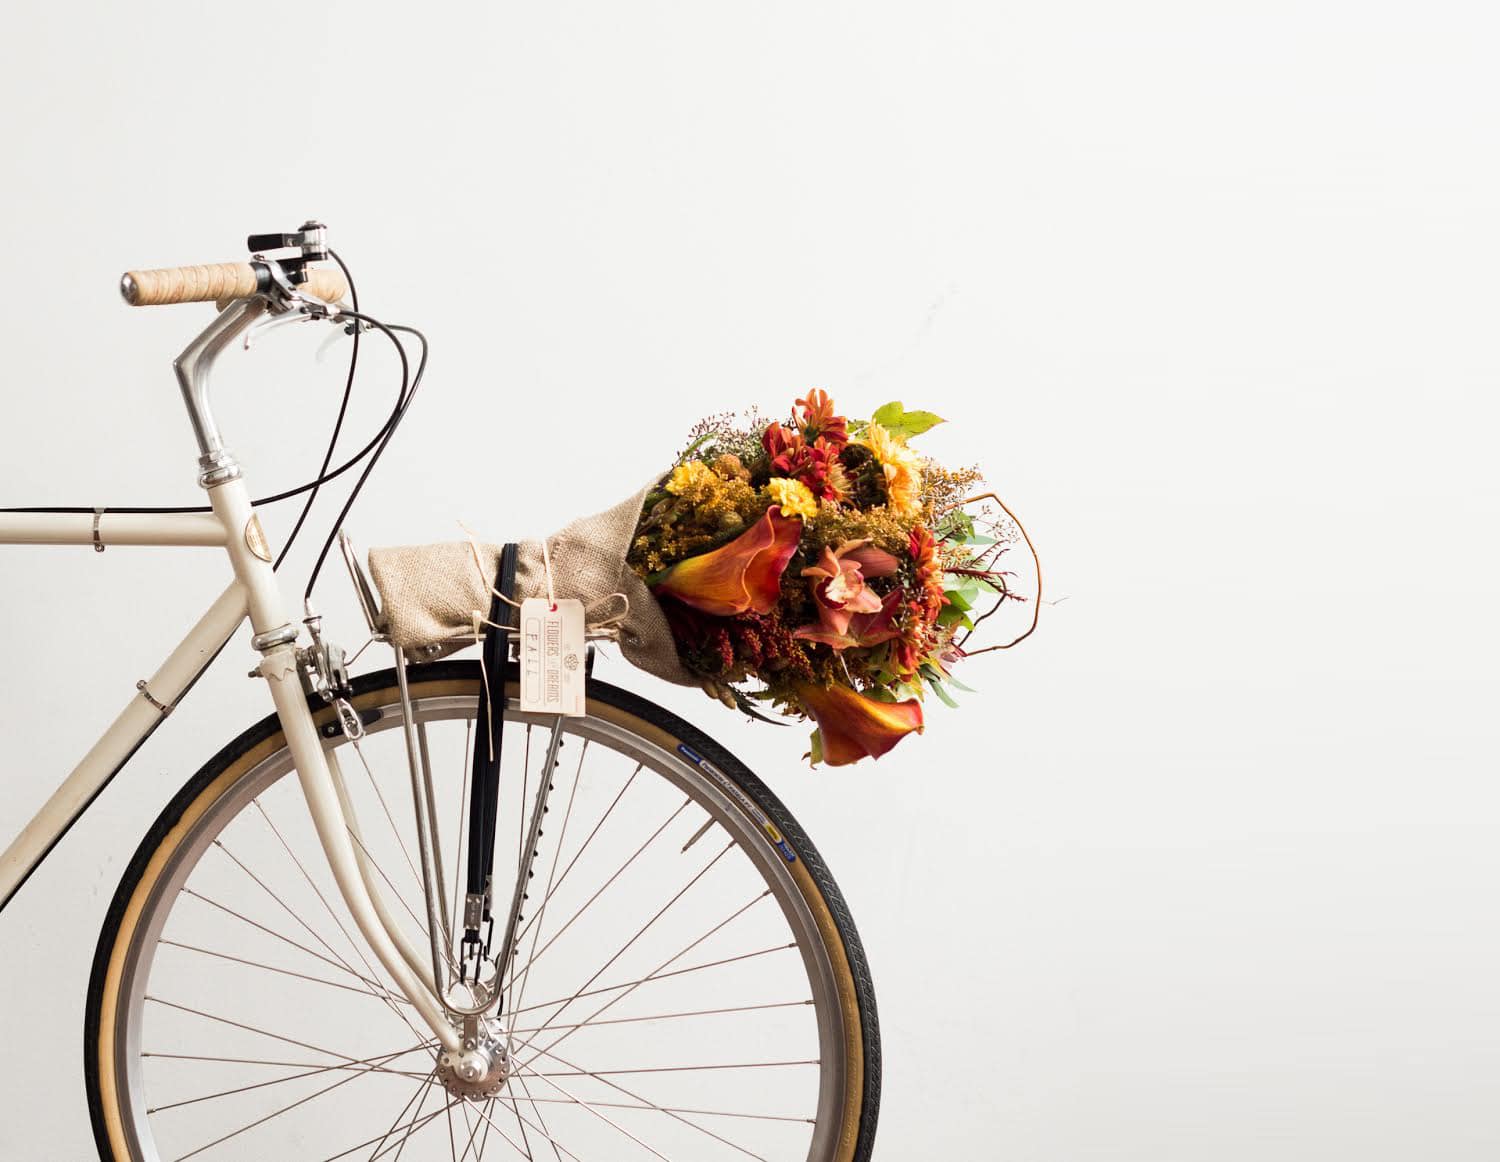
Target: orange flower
[743, 575]
[819, 420]
[901, 467]
[929, 571]
[852, 726]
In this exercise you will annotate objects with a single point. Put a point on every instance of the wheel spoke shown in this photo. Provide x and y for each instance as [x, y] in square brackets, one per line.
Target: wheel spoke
[547, 1133]
[587, 1107]
[283, 905]
[670, 960]
[463, 1108]
[400, 899]
[322, 899]
[620, 1105]
[670, 1113]
[608, 811]
[376, 1062]
[644, 928]
[649, 977]
[275, 1114]
[255, 1029]
[288, 1064]
[669, 1069]
[535, 954]
[556, 1145]
[669, 1016]
[422, 1088]
[375, 989]
[411, 1126]
[371, 1141]
[386, 807]
[272, 968]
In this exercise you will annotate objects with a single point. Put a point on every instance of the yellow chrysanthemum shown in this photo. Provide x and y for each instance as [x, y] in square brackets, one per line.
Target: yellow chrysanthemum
[795, 498]
[901, 466]
[690, 477]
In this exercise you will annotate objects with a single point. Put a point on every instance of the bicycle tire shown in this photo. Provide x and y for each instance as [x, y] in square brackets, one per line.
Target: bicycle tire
[217, 778]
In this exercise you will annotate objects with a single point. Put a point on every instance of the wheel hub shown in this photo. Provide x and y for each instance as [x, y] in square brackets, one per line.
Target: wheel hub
[477, 1071]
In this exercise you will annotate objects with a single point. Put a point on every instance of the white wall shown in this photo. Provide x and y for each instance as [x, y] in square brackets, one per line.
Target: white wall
[1207, 870]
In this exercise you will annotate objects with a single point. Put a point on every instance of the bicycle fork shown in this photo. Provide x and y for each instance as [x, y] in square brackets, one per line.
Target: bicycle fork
[275, 637]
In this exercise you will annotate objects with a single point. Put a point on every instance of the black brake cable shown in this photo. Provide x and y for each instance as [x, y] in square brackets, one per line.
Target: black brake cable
[389, 430]
[338, 424]
[376, 445]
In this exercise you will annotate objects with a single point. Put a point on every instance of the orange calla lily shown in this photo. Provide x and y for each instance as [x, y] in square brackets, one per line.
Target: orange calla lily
[852, 726]
[742, 576]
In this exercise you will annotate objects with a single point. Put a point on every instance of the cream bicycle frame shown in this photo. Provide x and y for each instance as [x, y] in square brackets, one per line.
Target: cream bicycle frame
[252, 594]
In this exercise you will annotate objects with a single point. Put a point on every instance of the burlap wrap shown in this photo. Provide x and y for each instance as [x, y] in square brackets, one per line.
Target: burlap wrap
[428, 593]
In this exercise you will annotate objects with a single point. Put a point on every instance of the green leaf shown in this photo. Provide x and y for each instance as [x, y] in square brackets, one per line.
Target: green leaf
[960, 598]
[952, 615]
[957, 685]
[894, 418]
[959, 522]
[943, 695]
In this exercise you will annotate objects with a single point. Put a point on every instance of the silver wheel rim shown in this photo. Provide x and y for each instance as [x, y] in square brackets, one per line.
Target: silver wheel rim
[700, 781]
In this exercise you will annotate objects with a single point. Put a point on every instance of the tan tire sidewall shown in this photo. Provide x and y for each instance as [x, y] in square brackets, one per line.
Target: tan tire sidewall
[109, 1090]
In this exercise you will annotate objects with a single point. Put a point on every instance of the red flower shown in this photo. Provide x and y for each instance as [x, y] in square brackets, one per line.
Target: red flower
[852, 726]
[815, 465]
[743, 575]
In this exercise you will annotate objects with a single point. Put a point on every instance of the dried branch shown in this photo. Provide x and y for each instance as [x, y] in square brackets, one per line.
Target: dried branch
[1036, 606]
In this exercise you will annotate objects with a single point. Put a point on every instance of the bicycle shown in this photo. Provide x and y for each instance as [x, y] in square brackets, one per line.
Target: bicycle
[275, 980]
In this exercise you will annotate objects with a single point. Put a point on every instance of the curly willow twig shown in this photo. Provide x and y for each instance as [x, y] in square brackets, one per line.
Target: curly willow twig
[1036, 605]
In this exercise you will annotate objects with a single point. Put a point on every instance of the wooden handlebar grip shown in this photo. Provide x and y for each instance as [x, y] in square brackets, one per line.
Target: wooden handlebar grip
[220, 283]
[188, 284]
[326, 283]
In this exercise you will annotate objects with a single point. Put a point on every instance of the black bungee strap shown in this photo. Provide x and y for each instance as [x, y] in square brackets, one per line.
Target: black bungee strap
[484, 781]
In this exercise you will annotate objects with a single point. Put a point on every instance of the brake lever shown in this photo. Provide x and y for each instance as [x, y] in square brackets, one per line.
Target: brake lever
[300, 314]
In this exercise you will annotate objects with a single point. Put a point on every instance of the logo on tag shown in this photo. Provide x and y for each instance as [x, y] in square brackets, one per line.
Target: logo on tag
[552, 653]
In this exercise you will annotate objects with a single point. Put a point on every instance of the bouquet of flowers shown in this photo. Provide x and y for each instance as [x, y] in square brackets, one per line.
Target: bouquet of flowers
[818, 567]
[823, 567]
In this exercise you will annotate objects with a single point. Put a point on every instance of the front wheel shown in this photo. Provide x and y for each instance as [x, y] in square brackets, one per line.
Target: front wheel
[688, 983]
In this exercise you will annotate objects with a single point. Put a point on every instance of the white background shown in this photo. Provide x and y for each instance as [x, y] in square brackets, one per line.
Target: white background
[1207, 869]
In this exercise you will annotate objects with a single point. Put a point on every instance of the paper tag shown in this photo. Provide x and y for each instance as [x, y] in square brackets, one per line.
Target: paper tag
[552, 657]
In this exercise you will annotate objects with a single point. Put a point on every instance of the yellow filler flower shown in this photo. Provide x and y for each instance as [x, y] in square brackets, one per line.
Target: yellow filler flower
[795, 498]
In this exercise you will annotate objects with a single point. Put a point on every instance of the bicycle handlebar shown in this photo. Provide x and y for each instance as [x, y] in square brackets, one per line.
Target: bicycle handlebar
[219, 282]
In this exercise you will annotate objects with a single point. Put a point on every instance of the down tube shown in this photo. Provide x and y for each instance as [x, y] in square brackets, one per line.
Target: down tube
[155, 699]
